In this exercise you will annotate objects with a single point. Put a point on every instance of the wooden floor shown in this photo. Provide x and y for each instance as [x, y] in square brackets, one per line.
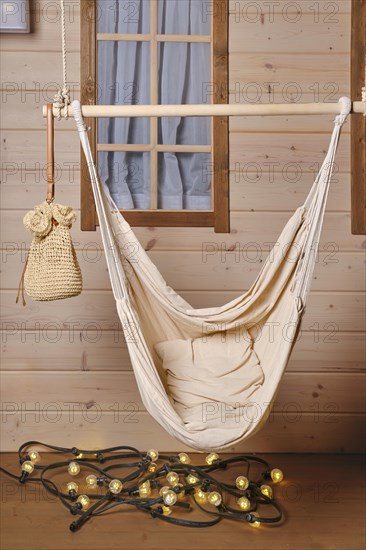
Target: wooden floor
[322, 497]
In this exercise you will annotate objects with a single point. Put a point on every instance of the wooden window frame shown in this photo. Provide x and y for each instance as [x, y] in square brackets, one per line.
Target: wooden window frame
[358, 121]
[218, 216]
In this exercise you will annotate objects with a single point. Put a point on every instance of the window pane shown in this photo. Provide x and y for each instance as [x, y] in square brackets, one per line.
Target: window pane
[184, 73]
[123, 79]
[185, 17]
[123, 72]
[185, 131]
[127, 176]
[191, 85]
[184, 181]
[124, 16]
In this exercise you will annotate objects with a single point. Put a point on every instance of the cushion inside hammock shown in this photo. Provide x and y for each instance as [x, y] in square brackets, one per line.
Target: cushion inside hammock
[209, 376]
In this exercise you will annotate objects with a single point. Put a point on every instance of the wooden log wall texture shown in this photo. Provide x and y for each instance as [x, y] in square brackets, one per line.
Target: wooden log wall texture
[66, 374]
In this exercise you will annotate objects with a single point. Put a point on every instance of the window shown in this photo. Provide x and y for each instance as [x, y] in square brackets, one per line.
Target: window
[160, 171]
[358, 122]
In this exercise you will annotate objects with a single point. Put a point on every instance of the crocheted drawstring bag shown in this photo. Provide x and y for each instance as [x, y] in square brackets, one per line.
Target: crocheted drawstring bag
[52, 270]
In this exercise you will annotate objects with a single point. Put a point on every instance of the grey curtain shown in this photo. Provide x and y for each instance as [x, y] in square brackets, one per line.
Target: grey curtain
[124, 78]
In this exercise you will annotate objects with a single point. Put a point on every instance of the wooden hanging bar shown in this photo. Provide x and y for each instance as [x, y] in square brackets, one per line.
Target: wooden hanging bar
[257, 109]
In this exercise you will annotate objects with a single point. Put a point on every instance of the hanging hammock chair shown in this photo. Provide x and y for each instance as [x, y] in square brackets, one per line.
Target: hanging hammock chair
[208, 376]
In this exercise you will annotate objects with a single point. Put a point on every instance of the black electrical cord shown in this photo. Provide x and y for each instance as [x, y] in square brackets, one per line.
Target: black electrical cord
[147, 471]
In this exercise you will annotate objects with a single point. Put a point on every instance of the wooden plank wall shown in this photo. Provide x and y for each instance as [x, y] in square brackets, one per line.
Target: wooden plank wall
[66, 375]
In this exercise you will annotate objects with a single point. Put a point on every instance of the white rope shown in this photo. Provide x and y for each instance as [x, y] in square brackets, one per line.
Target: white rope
[315, 207]
[62, 98]
[117, 275]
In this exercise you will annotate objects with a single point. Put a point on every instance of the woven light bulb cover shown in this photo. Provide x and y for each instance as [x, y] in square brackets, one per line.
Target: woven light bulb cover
[52, 271]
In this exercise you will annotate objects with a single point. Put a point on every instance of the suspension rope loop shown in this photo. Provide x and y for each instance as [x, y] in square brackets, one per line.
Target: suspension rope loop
[346, 105]
[117, 275]
[315, 208]
[62, 99]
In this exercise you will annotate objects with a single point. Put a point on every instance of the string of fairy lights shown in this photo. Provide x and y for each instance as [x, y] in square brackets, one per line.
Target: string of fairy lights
[166, 486]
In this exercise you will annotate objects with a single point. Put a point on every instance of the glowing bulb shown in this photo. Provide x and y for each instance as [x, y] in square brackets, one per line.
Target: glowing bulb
[34, 456]
[91, 481]
[255, 523]
[191, 479]
[266, 490]
[164, 490]
[73, 468]
[210, 458]
[28, 466]
[72, 487]
[244, 503]
[84, 501]
[80, 455]
[200, 496]
[184, 458]
[166, 510]
[172, 478]
[115, 486]
[152, 467]
[153, 455]
[242, 483]
[214, 498]
[145, 489]
[276, 475]
[169, 498]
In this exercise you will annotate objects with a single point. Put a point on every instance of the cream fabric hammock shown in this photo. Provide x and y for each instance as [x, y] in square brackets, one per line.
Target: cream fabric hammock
[208, 376]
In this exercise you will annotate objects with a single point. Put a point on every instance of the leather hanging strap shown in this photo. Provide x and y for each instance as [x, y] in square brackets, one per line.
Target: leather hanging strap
[50, 155]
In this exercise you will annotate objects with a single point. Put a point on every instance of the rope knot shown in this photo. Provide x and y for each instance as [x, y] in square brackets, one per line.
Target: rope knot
[62, 100]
